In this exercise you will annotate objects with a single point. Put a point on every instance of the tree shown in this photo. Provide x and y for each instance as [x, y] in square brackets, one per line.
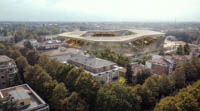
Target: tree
[59, 93]
[2, 48]
[129, 74]
[178, 76]
[186, 49]
[148, 100]
[191, 73]
[22, 63]
[73, 103]
[186, 102]
[166, 85]
[162, 53]
[33, 57]
[27, 44]
[166, 104]
[141, 76]
[152, 83]
[180, 50]
[62, 72]
[87, 87]
[39, 80]
[8, 105]
[71, 78]
[122, 80]
[117, 97]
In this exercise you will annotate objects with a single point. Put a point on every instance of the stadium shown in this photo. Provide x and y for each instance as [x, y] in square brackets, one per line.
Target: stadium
[126, 42]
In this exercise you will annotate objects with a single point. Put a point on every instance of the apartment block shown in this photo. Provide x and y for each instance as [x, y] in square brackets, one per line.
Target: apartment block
[26, 99]
[8, 71]
[104, 70]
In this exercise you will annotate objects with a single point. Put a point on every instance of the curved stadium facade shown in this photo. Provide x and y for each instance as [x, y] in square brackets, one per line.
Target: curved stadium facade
[127, 42]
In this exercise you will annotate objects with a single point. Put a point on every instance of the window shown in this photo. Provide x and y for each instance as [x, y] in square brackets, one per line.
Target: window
[2, 77]
[115, 78]
[22, 103]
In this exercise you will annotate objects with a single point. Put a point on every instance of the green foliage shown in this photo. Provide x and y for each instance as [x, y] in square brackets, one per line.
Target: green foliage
[35, 75]
[108, 54]
[8, 105]
[144, 59]
[21, 63]
[152, 83]
[72, 77]
[183, 50]
[141, 76]
[129, 74]
[2, 48]
[33, 57]
[186, 49]
[117, 97]
[87, 87]
[59, 93]
[166, 104]
[166, 85]
[65, 87]
[148, 100]
[185, 36]
[27, 44]
[178, 77]
[122, 80]
[180, 50]
[162, 53]
[73, 103]
[186, 100]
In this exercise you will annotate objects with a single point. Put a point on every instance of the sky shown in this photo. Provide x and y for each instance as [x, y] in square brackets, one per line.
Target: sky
[100, 10]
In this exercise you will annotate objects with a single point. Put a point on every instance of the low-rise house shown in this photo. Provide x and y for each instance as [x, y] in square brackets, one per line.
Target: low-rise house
[104, 70]
[26, 99]
[8, 71]
[50, 44]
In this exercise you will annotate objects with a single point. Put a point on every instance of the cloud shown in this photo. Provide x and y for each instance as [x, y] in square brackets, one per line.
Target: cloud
[98, 10]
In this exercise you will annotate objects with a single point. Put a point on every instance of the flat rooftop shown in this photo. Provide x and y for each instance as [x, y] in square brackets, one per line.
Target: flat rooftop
[90, 61]
[4, 58]
[111, 35]
[24, 92]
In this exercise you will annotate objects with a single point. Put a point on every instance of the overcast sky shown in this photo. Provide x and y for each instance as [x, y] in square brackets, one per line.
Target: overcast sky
[100, 10]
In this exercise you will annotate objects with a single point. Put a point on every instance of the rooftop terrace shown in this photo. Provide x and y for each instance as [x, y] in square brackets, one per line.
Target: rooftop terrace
[23, 93]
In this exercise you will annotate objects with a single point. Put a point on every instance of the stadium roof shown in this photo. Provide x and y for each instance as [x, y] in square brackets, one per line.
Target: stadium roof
[132, 35]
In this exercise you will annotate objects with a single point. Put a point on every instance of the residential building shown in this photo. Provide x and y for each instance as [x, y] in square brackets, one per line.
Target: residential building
[49, 44]
[137, 68]
[160, 65]
[8, 71]
[104, 70]
[25, 98]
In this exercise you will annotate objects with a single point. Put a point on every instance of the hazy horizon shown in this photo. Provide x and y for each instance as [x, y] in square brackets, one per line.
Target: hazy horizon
[100, 10]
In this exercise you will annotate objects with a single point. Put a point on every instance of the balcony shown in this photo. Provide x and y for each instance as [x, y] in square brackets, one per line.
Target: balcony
[7, 66]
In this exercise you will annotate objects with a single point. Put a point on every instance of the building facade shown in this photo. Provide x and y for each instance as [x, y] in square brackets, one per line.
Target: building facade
[8, 71]
[105, 71]
[26, 99]
[160, 65]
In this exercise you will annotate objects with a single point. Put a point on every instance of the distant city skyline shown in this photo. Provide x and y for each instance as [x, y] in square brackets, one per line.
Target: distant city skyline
[100, 10]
